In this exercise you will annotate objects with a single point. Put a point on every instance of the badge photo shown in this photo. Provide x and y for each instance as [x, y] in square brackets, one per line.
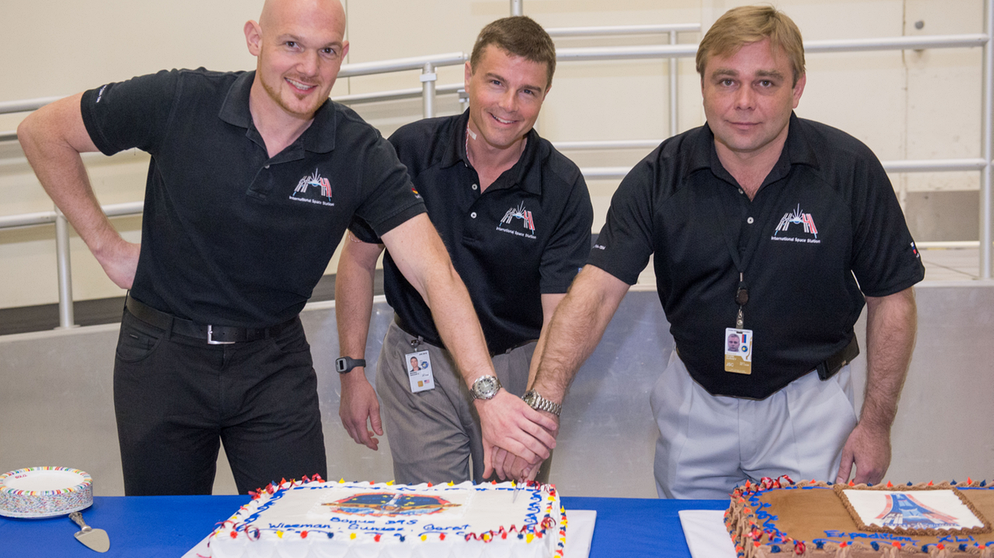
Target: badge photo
[419, 371]
[738, 350]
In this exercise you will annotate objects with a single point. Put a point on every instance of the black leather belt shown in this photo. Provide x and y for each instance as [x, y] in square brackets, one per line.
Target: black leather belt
[212, 334]
[835, 362]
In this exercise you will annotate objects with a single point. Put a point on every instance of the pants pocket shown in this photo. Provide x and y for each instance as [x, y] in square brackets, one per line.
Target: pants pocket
[136, 343]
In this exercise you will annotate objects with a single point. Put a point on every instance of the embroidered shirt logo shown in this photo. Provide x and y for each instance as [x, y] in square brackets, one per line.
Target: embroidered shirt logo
[512, 214]
[313, 189]
[790, 221]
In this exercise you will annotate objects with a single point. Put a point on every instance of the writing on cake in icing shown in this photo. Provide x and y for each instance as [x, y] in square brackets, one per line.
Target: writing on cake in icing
[439, 529]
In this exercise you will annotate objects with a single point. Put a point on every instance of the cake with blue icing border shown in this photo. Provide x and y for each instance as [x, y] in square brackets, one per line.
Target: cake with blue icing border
[779, 518]
[330, 519]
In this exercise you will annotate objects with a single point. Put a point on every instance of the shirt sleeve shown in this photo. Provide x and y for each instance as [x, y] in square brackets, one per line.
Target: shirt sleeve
[570, 243]
[130, 114]
[885, 258]
[624, 244]
[389, 196]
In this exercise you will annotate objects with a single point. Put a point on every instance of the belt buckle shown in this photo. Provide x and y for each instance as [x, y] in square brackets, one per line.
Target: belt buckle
[210, 338]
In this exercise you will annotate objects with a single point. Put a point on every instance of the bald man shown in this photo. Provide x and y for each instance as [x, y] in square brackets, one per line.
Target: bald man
[253, 180]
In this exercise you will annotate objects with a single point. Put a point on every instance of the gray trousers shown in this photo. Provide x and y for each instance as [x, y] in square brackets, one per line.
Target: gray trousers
[435, 435]
[710, 444]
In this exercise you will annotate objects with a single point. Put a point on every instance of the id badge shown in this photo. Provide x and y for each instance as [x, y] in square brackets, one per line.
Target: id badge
[419, 371]
[738, 350]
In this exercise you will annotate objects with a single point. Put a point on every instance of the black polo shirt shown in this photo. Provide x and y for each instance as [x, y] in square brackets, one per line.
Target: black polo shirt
[231, 236]
[825, 218]
[527, 235]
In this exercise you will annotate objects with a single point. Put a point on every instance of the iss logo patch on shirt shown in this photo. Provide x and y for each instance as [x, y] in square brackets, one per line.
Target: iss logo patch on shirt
[797, 226]
[509, 223]
[313, 188]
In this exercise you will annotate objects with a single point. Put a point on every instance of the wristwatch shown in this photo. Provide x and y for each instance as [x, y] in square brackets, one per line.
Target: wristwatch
[539, 403]
[485, 387]
[346, 364]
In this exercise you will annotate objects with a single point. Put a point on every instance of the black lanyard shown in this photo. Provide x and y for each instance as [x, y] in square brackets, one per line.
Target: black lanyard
[741, 261]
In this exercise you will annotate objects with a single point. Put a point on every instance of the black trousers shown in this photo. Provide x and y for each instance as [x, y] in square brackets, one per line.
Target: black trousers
[177, 399]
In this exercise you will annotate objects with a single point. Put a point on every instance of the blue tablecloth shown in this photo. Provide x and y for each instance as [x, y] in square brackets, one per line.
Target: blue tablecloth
[169, 526]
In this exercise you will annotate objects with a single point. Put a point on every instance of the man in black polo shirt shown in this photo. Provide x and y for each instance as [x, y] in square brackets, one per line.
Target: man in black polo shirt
[253, 180]
[761, 224]
[515, 216]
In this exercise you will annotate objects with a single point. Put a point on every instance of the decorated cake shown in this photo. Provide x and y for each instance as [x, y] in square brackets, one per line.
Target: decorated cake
[780, 518]
[316, 518]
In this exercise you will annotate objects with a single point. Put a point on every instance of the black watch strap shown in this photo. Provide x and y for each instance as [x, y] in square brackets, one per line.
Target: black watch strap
[346, 364]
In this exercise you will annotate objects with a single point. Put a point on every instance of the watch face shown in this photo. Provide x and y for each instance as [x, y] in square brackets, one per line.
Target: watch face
[485, 387]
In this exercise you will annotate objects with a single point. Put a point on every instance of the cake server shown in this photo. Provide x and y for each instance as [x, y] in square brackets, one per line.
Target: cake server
[95, 539]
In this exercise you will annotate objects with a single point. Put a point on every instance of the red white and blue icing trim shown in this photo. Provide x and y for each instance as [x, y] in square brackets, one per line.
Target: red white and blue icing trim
[313, 512]
[757, 526]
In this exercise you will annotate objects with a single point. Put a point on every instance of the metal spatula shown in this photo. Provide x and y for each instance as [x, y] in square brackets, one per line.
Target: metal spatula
[95, 539]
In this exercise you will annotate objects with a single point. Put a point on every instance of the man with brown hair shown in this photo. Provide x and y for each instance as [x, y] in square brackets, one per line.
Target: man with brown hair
[515, 216]
[761, 224]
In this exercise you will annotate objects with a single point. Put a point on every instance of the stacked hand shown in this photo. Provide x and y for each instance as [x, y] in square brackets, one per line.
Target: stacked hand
[516, 438]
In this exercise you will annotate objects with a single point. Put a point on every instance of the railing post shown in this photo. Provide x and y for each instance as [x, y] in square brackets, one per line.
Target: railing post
[674, 71]
[66, 319]
[986, 205]
[428, 78]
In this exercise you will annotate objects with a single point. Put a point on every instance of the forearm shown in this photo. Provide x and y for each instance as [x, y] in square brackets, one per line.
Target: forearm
[457, 325]
[576, 328]
[53, 138]
[890, 339]
[549, 304]
[354, 298]
[422, 258]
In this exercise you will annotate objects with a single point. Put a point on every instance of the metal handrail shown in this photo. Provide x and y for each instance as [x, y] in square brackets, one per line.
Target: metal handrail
[589, 173]
[615, 30]
[401, 64]
[589, 54]
[672, 51]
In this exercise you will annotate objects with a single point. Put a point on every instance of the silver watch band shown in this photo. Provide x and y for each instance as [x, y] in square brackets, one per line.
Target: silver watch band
[539, 403]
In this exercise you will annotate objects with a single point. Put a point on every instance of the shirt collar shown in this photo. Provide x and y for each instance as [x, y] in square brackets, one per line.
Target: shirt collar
[319, 137]
[525, 174]
[797, 150]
